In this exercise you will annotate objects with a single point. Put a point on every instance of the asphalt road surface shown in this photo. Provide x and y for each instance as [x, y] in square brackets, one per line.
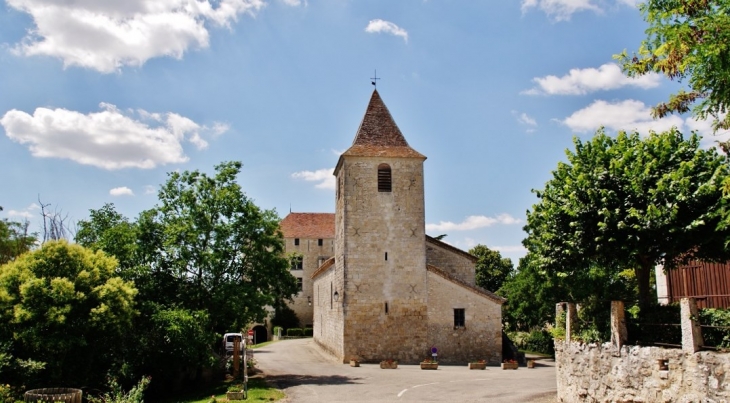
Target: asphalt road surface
[306, 374]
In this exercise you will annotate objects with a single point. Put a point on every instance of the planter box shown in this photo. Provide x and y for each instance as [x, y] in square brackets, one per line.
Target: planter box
[509, 365]
[387, 365]
[530, 363]
[429, 365]
[235, 396]
[354, 363]
[477, 365]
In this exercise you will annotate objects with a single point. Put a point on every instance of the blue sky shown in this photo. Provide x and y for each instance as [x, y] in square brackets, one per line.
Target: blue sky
[100, 99]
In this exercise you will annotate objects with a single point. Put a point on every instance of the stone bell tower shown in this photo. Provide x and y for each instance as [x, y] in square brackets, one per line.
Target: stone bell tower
[380, 249]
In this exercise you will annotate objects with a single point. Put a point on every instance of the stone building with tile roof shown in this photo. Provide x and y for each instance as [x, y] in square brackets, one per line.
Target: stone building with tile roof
[382, 288]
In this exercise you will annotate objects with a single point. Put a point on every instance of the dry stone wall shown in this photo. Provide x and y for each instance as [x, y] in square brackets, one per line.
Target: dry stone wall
[603, 373]
[329, 319]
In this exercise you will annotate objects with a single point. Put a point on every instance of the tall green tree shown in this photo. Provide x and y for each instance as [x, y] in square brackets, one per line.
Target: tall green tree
[687, 40]
[15, 239]
[110, 231]
[227, 253]
[630, 203]
[62, 306]
[491, 268]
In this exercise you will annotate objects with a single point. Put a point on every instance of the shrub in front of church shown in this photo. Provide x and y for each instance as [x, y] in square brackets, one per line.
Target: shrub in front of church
[308, 332]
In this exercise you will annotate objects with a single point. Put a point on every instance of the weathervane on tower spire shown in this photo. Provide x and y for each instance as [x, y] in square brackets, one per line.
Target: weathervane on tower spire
[375, 80]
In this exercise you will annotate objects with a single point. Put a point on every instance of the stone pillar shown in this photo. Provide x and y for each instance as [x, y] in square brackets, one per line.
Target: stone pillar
[571, 318]
[619, 334]
[691, 330]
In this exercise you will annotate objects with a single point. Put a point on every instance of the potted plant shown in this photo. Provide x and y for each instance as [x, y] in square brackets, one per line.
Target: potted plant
[429, 363]
[235, 392]
[530, 363]
[389, 364]
[509, 364]
[480, 364]
[354, 362]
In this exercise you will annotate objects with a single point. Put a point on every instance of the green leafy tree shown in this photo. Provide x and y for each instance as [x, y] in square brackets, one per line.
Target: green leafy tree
[687, 40]
[110, 231]
[491, 268]
[630, 203]
[225, 254]
[15, 239]
[63, 306]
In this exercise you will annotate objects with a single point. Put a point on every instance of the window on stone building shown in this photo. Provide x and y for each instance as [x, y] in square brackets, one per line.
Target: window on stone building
[296, 241]
[300, 284]
[386, 255]
[458, 318]
[297, 262]
[320, 242]
[384, 178]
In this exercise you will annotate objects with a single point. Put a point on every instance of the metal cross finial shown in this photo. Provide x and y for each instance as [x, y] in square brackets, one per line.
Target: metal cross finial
[375, 79]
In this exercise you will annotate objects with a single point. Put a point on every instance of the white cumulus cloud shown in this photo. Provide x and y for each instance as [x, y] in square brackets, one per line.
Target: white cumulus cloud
[107, 35]
[324, 177]
[121, 191]
[294, 3]
[378, 26]
[473, 222]
[562, 10]
[25, 213]
[583, 81]
[108, 139]
[150, 190]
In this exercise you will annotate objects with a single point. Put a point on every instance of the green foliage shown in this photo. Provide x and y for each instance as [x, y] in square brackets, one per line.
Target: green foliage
[223, 251]
[278, 329]
[687, 40]
[63, 306]
[654, 324]
[14, 239]
[630, 203]
[110, 231]
[718, 335]
[118, 395]
[491, 268]
[294, 332]
[285, 317]
[308, 332]
[538, 340]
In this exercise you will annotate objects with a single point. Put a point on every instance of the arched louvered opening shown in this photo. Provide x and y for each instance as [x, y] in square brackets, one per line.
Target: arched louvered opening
[385, 181]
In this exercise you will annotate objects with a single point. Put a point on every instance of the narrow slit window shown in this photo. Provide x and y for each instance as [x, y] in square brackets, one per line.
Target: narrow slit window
[300, 284]
[386, 308]
[385, 181]
[386, 255]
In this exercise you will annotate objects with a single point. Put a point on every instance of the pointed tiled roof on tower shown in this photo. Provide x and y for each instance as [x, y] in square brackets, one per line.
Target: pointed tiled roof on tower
[378, 135]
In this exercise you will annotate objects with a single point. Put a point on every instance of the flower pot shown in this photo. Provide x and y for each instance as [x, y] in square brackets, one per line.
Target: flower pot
[509, 365]
[235, 396]
[388, 365]
[530, 363]
[354, 363]
[477, 365]
[429, 365]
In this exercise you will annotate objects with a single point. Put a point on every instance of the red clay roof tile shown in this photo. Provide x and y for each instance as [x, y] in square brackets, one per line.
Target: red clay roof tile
[308, 225]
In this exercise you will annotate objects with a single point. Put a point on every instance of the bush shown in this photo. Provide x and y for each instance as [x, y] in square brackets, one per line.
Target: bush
[716, 336]
[294, 332]
[278, 329]
[539, 341]
[308, 332]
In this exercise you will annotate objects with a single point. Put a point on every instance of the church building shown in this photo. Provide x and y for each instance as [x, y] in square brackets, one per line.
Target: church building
[374, 285]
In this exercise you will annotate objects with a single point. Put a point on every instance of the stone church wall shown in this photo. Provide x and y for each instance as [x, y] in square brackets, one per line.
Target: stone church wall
[603, 373]
[328, 324]
[454, 263]
[312, 255]
[479, 339]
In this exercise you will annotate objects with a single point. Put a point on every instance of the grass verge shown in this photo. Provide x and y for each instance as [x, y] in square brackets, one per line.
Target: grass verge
[258, 391]
[264, 344]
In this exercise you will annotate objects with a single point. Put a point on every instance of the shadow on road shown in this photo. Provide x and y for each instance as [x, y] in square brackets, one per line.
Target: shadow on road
[289, 380]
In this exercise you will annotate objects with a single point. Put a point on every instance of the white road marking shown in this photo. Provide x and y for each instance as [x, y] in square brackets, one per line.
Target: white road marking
[417, 386]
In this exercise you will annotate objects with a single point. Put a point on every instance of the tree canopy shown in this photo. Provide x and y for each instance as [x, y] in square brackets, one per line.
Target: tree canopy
[491, 268]
[687, 39]
[14, 239]
[630, 203]
[63, 307]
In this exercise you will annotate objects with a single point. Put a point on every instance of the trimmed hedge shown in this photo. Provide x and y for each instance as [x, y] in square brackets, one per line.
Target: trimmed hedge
[294, 332]
[308, 332]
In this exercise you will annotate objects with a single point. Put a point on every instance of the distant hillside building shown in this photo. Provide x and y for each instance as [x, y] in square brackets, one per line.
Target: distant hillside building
[383, 289]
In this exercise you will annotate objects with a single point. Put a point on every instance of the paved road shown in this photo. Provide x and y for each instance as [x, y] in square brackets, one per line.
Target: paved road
[306, 374]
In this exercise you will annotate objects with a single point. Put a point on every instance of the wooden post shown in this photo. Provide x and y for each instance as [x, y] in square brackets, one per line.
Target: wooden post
[619, 334]
[691, 330]
[236, 352]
